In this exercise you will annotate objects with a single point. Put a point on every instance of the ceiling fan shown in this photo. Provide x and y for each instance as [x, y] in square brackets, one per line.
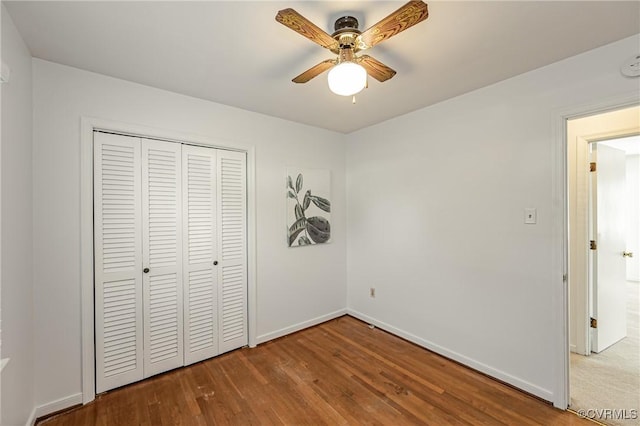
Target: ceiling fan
[349, 71]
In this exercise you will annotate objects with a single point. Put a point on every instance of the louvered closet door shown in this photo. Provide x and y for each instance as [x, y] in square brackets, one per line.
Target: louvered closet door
[199, 253]
[118, 261]
[232, 244]
[162, 255]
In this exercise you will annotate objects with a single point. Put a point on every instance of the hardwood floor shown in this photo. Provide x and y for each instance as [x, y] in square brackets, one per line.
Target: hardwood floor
[337, 373]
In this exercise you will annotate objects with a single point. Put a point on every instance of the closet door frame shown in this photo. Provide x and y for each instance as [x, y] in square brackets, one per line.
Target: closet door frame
[88, 126]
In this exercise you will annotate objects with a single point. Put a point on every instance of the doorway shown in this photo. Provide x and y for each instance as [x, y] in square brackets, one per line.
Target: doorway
[603, 309]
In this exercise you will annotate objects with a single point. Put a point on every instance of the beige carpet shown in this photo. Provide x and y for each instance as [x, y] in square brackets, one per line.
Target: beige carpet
[611, 379]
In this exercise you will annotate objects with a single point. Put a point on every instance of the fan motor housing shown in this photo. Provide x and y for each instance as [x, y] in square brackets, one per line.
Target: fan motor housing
[346, 31]
[346, 22]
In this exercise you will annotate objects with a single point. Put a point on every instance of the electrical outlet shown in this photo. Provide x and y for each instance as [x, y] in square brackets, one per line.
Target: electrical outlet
[372, 292]
[530, 216]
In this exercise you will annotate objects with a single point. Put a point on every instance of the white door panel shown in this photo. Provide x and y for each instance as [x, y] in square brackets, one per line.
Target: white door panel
[118, 261]
[162, 255]
[609, 285]
[232, 241]
[200, 253]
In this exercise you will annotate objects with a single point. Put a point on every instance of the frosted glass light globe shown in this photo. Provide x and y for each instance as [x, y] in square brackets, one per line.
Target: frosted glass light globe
[347, 78]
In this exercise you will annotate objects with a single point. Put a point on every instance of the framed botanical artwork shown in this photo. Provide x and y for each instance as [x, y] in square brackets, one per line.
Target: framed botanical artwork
[308, 207]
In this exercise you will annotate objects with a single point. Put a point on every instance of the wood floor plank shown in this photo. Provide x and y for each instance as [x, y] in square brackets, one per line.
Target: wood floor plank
[354, 400]
[366, 373]
[338, 373]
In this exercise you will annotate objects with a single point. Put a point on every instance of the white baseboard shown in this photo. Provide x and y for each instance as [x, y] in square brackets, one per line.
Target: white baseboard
[32, 418]
[53, 406]
[3, 363]
[545, 394]
[300, 326]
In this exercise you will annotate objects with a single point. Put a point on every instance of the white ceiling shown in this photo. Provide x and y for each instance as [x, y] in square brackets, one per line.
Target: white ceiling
[235, 53]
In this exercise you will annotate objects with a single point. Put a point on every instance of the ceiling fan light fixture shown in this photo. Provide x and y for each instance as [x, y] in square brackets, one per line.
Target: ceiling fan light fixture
[347, 78]
[347, 73]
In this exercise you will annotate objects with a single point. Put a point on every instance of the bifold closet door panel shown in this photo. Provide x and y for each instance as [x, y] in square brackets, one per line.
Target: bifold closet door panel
[118, 261]
[200, 253]
[232, 246]
[162, 256]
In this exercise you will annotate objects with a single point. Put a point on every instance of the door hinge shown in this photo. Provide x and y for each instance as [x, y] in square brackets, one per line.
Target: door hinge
[564, 278]
[592, 167]
[593, 323]
[593, 245]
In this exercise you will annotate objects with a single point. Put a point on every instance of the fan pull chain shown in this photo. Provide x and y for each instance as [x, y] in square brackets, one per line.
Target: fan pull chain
[353, 101]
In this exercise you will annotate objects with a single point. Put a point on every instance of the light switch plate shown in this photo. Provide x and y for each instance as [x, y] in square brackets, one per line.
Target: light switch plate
[530, 216]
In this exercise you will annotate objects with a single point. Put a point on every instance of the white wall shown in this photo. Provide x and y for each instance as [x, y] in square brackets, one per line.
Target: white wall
[294, 286]
[633, 217]
[436, 203]
[17, 244]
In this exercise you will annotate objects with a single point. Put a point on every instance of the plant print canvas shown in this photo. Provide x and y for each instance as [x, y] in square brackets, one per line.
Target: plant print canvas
[308, 207]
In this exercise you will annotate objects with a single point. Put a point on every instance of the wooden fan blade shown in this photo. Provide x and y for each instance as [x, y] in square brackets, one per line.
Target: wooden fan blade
[314, 71]
[298, 23]
[403, 18]
[376, 69]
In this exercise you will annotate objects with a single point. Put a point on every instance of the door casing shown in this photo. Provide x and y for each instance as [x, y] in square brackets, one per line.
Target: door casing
[579, 215]
[560, 234]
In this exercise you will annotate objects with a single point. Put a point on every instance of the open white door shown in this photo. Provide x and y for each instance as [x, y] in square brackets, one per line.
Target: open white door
[608, 263]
